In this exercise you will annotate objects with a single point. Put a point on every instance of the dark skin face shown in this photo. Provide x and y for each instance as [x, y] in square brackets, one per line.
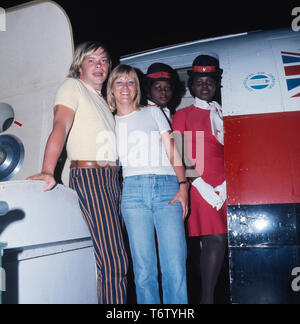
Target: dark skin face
[204, 88]
[161, 93]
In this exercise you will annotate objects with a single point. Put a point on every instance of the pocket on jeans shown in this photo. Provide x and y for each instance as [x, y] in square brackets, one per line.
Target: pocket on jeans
[168, 191]
[132, 189]
[132, 196]
[130, 204]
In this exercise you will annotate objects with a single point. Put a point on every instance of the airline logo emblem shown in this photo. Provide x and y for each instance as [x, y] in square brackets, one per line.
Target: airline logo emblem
[259, 81]
[291, 62]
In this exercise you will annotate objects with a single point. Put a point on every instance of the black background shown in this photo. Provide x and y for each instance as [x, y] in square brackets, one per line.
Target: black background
[126, 27]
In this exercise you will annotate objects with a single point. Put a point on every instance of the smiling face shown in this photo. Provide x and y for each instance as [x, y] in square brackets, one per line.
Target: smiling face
[124, 89]
[94, 69]
[204, 88]
[161, 93]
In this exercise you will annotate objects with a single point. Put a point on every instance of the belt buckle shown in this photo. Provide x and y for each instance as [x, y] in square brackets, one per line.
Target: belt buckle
[103, 164]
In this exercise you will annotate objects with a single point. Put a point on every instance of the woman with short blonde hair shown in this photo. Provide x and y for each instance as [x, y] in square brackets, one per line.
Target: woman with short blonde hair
[116, 73]
[155, 192]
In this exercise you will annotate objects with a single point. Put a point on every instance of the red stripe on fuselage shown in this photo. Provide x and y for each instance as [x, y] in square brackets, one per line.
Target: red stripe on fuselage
[262, 157]
[289, 53]
[292, 70]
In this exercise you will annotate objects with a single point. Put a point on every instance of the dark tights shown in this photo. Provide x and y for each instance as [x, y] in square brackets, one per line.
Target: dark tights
[211, 261]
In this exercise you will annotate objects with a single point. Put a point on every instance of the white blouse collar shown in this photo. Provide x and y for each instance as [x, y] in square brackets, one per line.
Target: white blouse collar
[151, 103]
[202, 104]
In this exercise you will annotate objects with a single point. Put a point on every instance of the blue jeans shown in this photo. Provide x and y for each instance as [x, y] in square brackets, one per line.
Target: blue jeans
[145, 209]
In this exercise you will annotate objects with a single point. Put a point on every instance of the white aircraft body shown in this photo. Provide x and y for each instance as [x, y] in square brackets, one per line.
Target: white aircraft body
[261, 108]
[48, 258]
[48, 255]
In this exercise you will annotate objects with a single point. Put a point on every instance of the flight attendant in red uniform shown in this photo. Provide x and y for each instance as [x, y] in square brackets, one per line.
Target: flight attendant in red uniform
[208, 219]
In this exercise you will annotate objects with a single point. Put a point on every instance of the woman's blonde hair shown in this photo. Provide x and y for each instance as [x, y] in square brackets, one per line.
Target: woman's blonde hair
[117, 73]
[82, 51]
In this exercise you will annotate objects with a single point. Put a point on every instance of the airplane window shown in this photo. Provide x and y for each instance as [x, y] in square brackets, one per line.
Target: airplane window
[183, 76]
[186, 99]
[7, 117]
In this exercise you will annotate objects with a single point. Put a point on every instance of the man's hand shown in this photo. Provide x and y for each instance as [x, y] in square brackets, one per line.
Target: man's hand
[46, 177]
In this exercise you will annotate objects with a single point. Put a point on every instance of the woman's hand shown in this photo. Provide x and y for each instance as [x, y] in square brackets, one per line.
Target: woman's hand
[46, 177]
[183, 197]
[208, 193]
[222, 193]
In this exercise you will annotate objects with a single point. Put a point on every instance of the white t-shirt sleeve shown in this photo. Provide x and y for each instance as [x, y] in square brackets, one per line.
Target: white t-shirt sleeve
[161, 120]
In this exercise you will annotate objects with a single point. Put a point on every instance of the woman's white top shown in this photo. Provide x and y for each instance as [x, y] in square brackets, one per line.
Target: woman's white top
[139, 143]
[166, 110]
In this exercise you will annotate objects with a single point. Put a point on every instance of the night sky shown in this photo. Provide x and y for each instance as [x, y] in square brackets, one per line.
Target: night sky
[126, 27]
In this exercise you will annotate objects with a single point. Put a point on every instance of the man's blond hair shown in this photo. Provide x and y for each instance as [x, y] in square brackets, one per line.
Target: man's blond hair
[81, 52]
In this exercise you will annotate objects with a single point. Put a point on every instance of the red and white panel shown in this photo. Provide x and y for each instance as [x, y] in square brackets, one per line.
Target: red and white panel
[262, 141]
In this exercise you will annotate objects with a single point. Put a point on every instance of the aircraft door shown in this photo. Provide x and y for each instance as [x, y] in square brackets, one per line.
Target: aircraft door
[261, 154]
[34, 58]
[49, 255]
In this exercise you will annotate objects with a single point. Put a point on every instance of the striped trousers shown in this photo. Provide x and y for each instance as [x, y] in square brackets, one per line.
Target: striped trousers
[99, 194]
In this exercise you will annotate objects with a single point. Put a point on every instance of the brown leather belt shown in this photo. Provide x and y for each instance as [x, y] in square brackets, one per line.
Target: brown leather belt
[91, 164]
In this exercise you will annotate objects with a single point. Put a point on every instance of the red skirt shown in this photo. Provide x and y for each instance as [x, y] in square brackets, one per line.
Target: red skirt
[205, 220]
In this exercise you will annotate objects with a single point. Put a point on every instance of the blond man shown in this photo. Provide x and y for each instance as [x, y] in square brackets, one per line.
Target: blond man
[84, 121]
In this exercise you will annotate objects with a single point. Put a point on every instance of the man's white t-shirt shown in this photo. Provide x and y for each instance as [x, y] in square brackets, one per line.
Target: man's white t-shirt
[139, 143]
